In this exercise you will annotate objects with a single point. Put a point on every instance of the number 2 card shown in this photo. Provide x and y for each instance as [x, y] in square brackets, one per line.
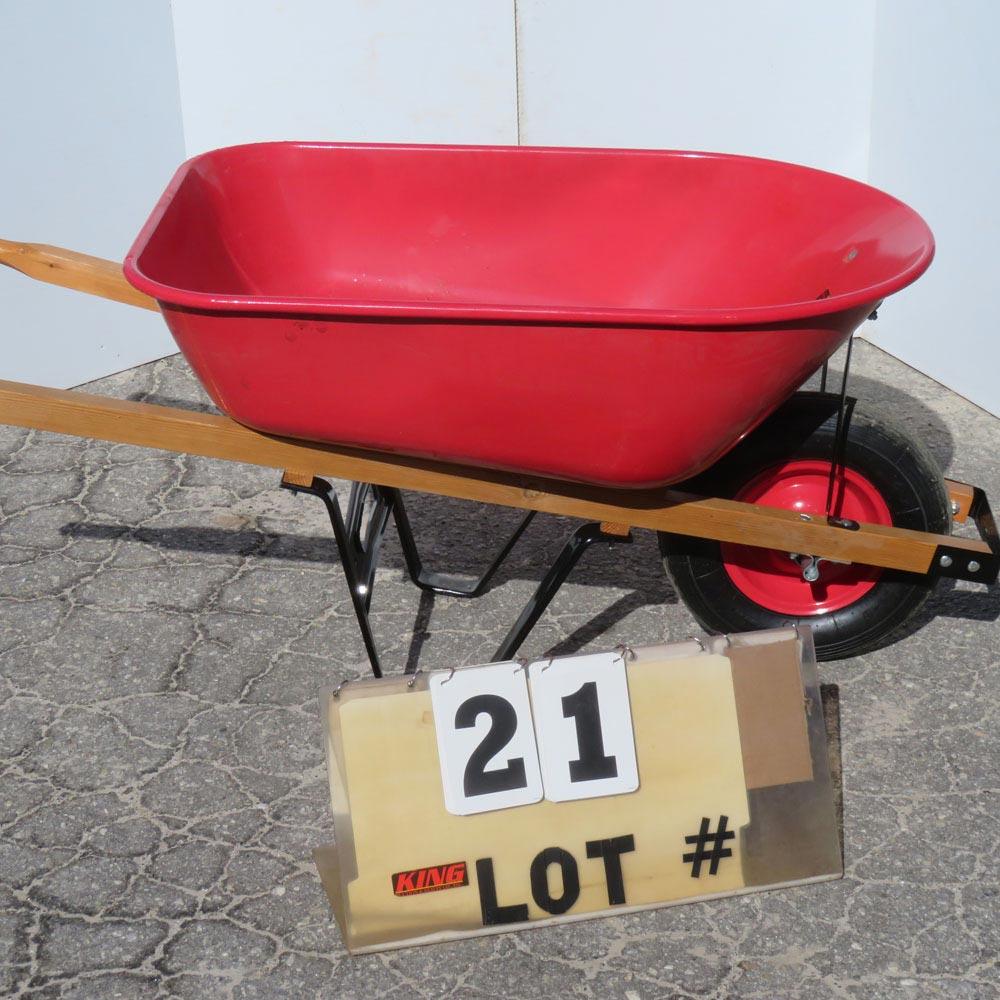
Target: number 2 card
[485, 738]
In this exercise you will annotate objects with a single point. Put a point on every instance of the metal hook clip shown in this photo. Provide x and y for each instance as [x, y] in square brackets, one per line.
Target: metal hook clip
[625, 651]
[552, 660]
[729, 641]
[413, 677]
[694, 638]
[451, 673]
[340, 687]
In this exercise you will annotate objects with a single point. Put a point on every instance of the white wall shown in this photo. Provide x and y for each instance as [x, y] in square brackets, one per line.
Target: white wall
[376, 70]
[935, 135]
[777, 78]
[90, 132]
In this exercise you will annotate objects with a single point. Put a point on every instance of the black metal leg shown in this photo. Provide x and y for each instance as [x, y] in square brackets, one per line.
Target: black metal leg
[444, 583]
[366, 549]
[578, 543]
[357, 562]
[359, 542]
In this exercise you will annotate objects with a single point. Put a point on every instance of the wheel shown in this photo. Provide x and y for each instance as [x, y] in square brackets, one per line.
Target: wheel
[887, 478]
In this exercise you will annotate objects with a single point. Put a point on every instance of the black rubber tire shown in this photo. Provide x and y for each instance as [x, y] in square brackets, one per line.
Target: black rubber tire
[900, 468]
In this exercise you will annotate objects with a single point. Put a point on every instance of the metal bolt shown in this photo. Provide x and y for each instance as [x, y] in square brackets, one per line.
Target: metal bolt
[809, 566]
[973, 566]
[945, 561]
[955, 507]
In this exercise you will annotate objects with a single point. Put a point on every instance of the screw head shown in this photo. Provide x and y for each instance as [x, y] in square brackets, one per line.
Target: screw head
[944, 561]
[955, 507]
[973, 566]
[805, 517]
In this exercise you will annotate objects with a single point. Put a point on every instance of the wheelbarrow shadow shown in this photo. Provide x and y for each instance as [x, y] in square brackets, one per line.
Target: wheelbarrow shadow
[459, 535]
[455, 536]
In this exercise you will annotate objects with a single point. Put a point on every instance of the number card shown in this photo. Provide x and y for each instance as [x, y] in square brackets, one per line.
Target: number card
[583, 724]
[492, 798]
[486, 743]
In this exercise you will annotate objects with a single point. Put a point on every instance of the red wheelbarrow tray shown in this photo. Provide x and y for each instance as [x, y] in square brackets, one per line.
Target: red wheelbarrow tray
[615, 317]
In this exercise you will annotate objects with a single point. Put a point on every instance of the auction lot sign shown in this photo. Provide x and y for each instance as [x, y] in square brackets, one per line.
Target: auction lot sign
[492, 798]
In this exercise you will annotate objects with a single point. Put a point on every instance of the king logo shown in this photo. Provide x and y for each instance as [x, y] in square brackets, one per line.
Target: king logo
[430, 879]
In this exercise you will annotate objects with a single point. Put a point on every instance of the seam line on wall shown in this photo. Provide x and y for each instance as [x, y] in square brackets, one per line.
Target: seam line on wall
[517, 77]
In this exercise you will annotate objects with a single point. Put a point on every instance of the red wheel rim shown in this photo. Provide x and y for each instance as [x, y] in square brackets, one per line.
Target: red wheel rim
[771, 578]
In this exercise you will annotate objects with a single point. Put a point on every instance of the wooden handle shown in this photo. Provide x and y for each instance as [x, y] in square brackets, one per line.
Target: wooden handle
[70, 269]
[150, 426]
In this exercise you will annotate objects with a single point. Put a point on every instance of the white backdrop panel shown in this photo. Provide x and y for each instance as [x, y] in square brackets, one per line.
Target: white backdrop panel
[378, 70]
[935, 130]
[777, 78]
[90, 129]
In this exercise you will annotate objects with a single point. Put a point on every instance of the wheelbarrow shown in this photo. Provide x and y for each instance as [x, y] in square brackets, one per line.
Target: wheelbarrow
[613, 335]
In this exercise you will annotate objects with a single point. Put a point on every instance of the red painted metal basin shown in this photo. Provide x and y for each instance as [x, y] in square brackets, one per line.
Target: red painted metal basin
[610, 316]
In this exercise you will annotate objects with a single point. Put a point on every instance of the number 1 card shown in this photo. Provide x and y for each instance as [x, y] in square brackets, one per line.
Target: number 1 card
[583, 725]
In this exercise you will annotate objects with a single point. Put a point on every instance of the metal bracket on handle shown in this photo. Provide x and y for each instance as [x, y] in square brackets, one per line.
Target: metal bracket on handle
[958, 563]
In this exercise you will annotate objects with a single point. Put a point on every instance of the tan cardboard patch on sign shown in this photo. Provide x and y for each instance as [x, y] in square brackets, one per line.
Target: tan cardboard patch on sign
[771, 712]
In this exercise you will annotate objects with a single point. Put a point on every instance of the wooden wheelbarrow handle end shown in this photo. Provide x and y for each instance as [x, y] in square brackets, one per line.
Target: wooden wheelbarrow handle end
[70, 269]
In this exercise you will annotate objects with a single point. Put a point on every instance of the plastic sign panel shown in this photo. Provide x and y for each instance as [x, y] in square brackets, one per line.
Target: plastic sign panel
[490, 798]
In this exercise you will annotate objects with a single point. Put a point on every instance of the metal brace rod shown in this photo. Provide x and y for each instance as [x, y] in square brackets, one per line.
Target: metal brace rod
[445, 583]
[576, 545]
[359, 541]
[840, 439]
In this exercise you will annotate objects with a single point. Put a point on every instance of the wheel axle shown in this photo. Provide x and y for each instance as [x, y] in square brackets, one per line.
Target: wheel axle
[809, 566]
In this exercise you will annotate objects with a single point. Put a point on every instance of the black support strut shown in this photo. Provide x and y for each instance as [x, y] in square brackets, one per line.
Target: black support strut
[359, 541]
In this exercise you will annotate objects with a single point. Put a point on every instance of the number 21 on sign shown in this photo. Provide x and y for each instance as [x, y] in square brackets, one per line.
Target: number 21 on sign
[500, 747]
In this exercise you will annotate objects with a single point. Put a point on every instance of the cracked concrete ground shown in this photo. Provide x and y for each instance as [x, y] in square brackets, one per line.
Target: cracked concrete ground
[167, 620]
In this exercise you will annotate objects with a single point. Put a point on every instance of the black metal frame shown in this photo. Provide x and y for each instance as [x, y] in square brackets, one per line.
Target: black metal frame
[359, 541]
[960, 564]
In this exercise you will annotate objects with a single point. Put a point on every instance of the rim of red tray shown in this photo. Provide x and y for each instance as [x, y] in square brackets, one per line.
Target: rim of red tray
[867, 297]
